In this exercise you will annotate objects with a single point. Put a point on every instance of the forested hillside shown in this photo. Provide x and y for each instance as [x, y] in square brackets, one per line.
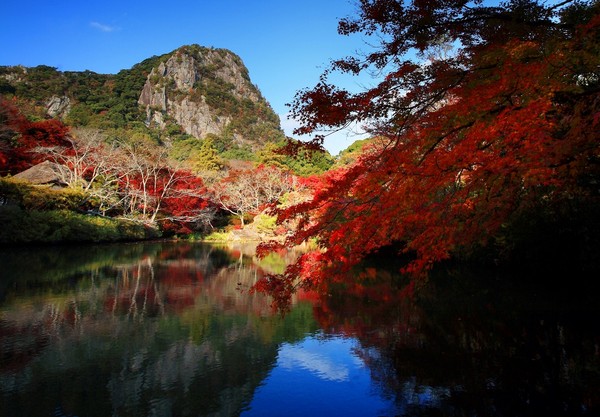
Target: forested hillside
[179, 143]
[193, 100]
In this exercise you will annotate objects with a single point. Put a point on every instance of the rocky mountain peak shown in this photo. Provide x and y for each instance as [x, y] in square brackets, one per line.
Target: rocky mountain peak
[201, 89]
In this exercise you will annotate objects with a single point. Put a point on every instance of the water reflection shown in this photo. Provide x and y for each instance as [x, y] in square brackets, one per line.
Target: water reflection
[319, 376]
[154, 329]
[170, 329]
[319, 359]
[473, 345]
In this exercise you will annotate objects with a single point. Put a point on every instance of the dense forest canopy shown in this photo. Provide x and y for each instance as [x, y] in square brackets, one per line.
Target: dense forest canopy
[486, 119]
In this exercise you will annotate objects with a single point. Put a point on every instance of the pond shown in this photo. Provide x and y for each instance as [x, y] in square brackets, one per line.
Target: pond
[171, 329]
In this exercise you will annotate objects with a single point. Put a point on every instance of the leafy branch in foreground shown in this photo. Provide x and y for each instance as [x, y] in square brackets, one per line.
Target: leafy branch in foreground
[502, 126]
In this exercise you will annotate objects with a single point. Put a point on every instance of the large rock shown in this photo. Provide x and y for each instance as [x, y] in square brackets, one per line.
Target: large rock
[58, 106]
[45, 173]
[200, 89]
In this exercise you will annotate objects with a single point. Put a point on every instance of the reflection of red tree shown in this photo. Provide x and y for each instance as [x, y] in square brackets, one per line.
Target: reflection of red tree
[178, 281]
[307, 295]
[181, 286]
[14, 354]
[372, 309]
[150, 289]
[470, 346]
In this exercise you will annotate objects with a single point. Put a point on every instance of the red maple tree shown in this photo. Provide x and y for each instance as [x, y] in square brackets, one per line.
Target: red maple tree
[495, 115]
[186, 207]
[19, 137]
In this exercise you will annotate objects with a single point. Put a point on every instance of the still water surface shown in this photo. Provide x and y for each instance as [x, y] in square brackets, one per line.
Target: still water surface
[170, 329]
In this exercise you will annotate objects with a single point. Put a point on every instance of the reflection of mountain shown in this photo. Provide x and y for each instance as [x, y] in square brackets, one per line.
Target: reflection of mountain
[164, 331]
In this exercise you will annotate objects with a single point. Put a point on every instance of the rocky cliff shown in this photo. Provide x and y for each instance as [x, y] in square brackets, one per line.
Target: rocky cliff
[205, 91]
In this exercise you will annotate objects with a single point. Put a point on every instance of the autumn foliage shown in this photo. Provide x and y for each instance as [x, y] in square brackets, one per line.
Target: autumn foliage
[247, 191]
[130, 179]
[495, 118]
[20, 136]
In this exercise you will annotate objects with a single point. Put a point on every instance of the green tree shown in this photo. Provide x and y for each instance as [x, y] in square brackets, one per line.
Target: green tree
[206, 158]
[270, 155]
[303, 162]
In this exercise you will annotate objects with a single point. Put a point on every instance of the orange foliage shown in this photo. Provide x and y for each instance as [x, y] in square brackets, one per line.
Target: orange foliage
[469, 141]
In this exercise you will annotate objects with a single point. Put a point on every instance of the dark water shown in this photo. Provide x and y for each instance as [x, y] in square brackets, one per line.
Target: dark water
[170, 329]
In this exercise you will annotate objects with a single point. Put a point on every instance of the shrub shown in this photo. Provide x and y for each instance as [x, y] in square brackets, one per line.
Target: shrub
[265, 224]
[217, 237]
[35, 226]
[39, 197]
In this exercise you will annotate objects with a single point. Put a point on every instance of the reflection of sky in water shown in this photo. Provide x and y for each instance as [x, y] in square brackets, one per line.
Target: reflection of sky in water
[319, 376]
[322, 359]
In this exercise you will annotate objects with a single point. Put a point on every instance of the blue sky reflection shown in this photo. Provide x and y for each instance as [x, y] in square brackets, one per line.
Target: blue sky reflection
[319, 376]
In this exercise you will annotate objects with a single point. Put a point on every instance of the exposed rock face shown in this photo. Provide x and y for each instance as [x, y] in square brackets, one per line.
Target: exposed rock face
[201, 89]
[58, 106]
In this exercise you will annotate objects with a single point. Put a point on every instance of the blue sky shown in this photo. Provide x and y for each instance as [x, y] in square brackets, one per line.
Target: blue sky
[285, 44]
